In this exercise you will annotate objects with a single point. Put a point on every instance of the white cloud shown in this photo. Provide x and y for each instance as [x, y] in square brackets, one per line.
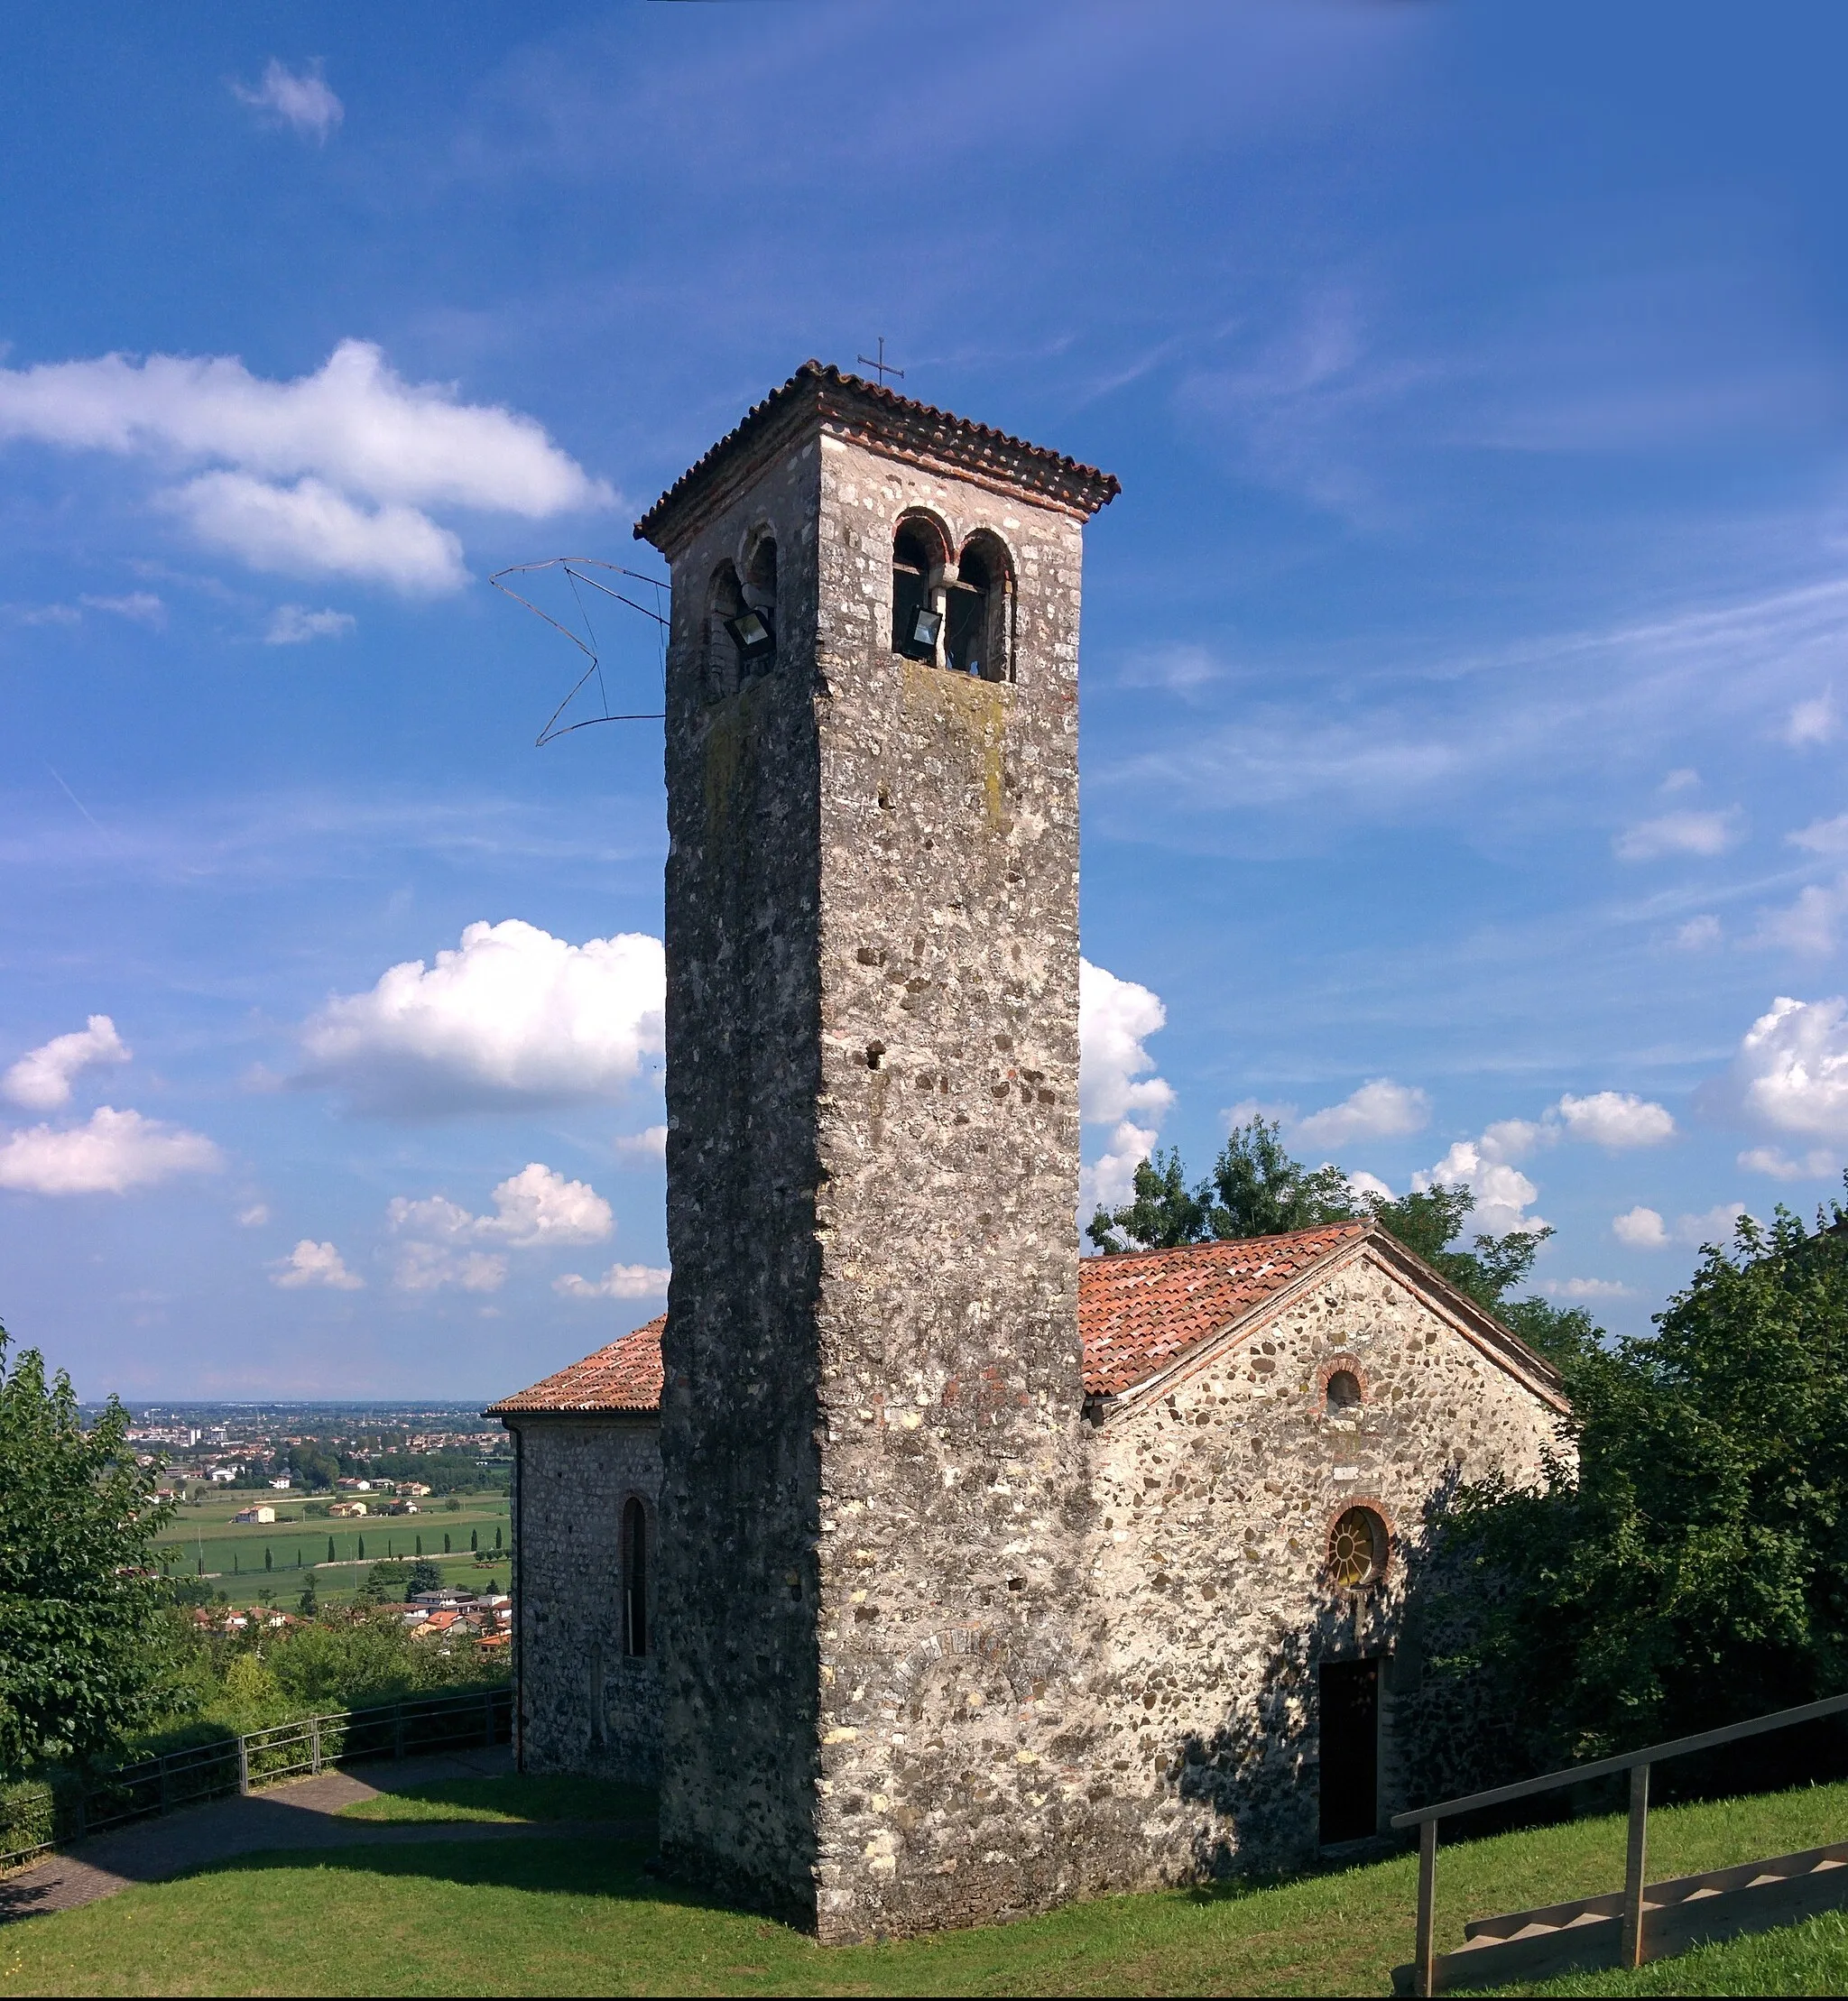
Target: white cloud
[1502, 1193]
[142, 607]
[1811, 923]
[294, 624]
[1641, 1229]
[1812, 722]
[427, 1268]
[1616, 1118]
[329, 473]
[1589, 1288]
[255, 1216]
[1686, 779]
[1114, 1016]
[41, 1080]
[313, 1264]
[300, 99]
[310, 529]
[1110, 1180]
[643, 1149]
[515, 1017]
[1364, 1184]
[1791, 1072]
[1680, 833]
[1698, 932]
[538, 1206]
[1822, 837]
[1515, 1138]
[116, 1151]
[534, 1209]
[1379, 1109]
[619, 1282]
[1816, 1164]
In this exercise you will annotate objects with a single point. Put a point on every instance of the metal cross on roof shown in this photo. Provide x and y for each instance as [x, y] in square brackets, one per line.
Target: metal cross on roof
[882, 367]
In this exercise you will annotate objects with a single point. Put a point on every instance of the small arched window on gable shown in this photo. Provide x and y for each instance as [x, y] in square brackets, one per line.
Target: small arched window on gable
[635, 1580]
[979, 638]
[725, 606]
[917, 559]
[1342, 1393]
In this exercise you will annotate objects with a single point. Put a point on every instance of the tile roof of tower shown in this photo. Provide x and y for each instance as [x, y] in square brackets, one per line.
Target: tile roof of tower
[1138, 1312]
[882, 418]
[624, 1375]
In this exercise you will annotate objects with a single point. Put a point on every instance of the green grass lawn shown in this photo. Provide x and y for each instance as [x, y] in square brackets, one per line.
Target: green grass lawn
[534, 1916]
[507, 1800]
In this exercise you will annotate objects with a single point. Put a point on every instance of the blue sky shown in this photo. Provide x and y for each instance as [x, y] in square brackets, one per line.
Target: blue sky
[1465, 663]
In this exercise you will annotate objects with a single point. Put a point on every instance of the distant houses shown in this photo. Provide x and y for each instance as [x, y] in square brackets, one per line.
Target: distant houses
[343, 1508]
[262, 1513]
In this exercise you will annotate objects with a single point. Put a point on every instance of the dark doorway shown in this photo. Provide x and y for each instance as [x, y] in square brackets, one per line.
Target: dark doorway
[1350, 1750]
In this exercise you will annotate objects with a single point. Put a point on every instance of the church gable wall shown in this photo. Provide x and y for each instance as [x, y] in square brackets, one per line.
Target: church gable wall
[584, 1706]
[1214, 1503]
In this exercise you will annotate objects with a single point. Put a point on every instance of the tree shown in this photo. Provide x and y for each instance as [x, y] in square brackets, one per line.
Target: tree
[269, 1560]
[79, 1589]
[1691, 1567]
[309, 1603]
[424, 1577]
[330, 1549]
[475, 1542]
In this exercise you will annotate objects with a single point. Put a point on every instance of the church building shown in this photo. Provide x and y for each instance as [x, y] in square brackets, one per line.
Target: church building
[935, 1573]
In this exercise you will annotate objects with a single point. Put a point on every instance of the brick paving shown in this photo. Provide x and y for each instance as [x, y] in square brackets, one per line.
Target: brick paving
[300, 1815]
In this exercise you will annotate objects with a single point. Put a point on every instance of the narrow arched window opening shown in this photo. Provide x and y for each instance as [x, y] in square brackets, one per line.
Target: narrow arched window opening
[724, 606]
[1343, 1392]
[979, 607]
[917, 559]
[753, 630]
[635, 1580]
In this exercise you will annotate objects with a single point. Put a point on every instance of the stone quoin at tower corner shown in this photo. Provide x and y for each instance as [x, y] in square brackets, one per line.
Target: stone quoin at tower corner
[936, 1574]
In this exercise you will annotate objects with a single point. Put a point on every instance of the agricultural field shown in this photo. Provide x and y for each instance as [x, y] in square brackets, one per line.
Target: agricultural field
[240, 1558]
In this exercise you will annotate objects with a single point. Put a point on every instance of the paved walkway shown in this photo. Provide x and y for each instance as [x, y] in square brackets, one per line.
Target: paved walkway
[300, 1815]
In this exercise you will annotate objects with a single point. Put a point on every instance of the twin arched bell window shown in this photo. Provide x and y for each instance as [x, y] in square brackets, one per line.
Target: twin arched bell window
[741, 621]
[953, 613]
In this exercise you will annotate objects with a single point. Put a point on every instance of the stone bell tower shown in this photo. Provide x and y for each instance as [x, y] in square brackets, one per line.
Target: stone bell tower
[871, 1585]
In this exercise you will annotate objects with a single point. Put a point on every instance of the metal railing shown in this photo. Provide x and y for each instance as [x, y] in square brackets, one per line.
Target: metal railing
[1635, 1860]
[35, 1820]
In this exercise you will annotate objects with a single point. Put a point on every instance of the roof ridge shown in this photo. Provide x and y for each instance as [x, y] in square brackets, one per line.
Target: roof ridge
[1361, 1223]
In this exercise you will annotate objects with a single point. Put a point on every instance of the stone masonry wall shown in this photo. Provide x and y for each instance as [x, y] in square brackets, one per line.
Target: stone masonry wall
[584, 1707]
[1214, 1498]
[953, 1488]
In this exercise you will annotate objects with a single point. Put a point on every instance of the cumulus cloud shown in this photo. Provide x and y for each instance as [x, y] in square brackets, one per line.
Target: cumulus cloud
[1818, 1164]
[619, 1282]
[534, 1209]
[1502, 1193]
[1114, 1017]
[113, 1153]
[330, 473]
[1643, 1229]
[41, 1080]
[514, 1016]
[300, 99]
[1379, 1109]
[295, 624]
[1791, 1072]
[1691, 833]
[313, 1264]
[1110, 1180]
[1616, 1118]
[1812, 924]
[428, 1267]
[310, 529]
[1698, 932]
[1822, 837]
[1589, 1288]
[643, 1149]
[1813, 721]
[254, 1216]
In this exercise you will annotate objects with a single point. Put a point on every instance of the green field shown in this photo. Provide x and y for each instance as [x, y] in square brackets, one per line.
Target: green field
[202, 1541]
[536, 1916]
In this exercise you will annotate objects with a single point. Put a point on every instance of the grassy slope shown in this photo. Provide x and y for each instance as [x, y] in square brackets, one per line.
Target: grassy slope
[533, 1916]
[508, 1800]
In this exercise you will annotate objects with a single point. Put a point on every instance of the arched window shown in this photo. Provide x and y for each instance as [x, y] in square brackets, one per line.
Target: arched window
[725, 606]
[753, 630]
[979, 638]
[1357, 1548]
[1343, 1392]
[918, 560]
[635, 1580]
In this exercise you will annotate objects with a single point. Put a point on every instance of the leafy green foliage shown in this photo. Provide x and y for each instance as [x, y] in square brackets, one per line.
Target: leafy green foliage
[79, 1602]
[1692, 1567]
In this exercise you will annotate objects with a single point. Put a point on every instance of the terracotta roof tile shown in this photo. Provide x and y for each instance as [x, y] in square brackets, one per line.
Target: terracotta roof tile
[1139, 1311]
[624, 1375]
[884, 416]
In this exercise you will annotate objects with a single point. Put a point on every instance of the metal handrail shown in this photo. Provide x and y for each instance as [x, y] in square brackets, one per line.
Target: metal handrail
[173, 1779]
[1635, 1860]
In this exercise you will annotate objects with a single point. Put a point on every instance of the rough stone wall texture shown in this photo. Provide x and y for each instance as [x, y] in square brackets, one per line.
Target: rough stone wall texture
[1216, 1490]
[874, 1498]
[584, 1706]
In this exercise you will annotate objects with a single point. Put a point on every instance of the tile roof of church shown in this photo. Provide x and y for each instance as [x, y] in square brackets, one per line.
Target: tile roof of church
[1143, 1309]
[624, 1375]
[880, 417]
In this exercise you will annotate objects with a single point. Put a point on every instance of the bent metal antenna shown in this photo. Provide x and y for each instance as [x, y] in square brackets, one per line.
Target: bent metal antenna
[574, 569]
